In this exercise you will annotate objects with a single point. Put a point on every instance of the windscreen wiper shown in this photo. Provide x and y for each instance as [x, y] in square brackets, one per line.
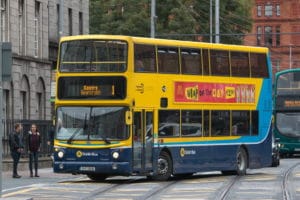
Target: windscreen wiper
[77, 131]
[73, 135]
[92, 127]
[106, 140]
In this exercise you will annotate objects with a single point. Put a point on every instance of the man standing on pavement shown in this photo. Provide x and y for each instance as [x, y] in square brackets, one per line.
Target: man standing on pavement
[16, 148]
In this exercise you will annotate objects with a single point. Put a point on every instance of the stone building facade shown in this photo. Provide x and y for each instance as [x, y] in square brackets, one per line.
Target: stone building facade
[276, 24]
[32, 26]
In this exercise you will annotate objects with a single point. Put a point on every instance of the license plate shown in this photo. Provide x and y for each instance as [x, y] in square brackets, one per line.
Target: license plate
[90, 169]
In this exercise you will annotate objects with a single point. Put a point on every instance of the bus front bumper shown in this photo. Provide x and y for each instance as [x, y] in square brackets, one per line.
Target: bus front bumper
[109, 168]
[289, 148]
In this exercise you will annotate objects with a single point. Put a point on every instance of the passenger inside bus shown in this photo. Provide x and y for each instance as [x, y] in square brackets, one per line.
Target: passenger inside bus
[139, 66]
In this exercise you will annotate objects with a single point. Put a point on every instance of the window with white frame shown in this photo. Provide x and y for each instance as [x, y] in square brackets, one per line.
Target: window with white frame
[258, 36]
[268, 36]
[277, 10]
[268, 10]
[277, 63]
[259, 11]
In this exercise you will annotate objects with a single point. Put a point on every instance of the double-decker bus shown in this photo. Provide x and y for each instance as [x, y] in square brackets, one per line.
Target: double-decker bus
[287, 111]
[160, 108]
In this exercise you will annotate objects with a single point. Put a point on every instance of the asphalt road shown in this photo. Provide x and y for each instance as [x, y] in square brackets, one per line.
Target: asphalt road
[274, 183]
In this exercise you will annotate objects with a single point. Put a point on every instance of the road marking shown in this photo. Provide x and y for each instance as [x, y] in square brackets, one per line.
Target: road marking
[19, 192]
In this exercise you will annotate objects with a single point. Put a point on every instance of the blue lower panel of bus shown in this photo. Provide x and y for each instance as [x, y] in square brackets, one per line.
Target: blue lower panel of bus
[186, 158]
[88, 161]
[190, 159]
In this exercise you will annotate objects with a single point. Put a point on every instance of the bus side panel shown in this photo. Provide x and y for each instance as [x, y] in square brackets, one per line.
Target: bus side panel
[260, 155]
[203, 158]
[218, 157]
[190, 159]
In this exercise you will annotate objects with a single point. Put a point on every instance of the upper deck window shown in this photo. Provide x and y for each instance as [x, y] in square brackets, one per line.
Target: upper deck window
[219, 63]
[289, 84]
[240, 64]
[93, 56]
[259, 67]
[144, 58]
[191, 61]
[168, 60]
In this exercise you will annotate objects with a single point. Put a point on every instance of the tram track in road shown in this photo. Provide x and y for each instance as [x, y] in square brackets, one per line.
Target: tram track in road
[163, 186]
[223, 195]
[287, 189]
[117, 185]
[114, 185]
[143, 189]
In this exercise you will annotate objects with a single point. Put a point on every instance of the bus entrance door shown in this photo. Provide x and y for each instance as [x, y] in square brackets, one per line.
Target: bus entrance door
[142, 141]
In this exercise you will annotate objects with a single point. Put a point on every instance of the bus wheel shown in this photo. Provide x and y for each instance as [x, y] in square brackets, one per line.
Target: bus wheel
[241, 162]
[164, 167]
[97, 177]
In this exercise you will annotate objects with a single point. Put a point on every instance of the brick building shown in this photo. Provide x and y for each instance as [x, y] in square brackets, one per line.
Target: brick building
[32, 26]
[276, 24]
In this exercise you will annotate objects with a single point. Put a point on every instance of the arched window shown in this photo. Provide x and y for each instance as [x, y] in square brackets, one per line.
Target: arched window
[41, 99]
[24, 98]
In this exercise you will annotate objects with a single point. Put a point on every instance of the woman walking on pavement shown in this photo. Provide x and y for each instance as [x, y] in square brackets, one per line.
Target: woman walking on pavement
[34, 144]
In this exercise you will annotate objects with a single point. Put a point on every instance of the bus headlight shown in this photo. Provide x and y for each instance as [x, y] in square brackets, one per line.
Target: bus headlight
[60, 154]
[115, 155]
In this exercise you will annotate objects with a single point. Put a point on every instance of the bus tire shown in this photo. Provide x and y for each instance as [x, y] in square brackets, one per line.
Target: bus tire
[182, 176]
[97, 177]
[228, 173]
[164, 167]
[241, 162]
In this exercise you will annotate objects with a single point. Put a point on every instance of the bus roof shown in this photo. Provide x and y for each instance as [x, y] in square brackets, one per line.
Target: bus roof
[168, 42]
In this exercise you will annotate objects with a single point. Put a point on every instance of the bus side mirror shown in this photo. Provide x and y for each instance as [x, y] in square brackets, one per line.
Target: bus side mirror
[128, 117]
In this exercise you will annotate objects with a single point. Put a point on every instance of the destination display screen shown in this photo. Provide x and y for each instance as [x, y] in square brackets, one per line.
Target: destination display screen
[288, 103]
[91, 88]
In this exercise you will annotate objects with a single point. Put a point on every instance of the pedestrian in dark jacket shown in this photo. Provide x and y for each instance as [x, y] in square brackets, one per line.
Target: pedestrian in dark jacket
[34, 145]
[16, 148]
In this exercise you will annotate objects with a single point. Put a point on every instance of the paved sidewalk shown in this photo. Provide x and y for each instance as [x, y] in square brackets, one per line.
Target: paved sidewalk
[25, 173]
[7, 163]
[14, 185]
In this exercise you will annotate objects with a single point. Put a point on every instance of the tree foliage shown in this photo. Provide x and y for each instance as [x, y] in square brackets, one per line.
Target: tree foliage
[176, 19]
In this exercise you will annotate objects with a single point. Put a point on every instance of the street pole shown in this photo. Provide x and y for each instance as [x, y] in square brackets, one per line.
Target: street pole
[210, 22]
[290, 56]
[217, 32]
[153, 18]
[1, 104]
